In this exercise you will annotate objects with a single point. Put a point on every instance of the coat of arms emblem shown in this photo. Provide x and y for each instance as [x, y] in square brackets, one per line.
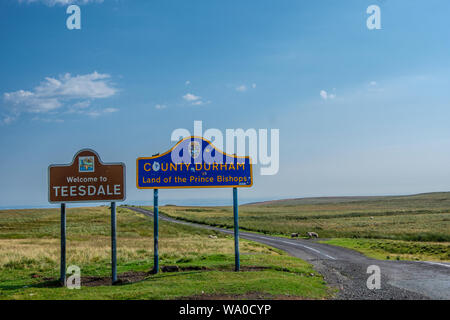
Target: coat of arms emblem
[194, 149]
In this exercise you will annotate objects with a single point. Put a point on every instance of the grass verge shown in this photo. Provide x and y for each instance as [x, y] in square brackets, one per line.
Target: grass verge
[396, 249]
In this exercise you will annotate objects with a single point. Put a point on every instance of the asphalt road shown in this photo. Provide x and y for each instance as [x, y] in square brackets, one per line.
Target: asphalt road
[347, 269]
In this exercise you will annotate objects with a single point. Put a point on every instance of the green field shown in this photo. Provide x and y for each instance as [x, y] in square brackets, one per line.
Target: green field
[423, 218]
[29, 260]
[407, 228]
[396, 249]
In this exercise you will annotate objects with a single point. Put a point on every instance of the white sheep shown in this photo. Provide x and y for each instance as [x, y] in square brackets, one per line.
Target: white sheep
[312, 235]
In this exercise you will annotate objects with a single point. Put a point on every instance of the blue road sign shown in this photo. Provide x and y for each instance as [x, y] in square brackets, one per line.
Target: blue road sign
[193, 162]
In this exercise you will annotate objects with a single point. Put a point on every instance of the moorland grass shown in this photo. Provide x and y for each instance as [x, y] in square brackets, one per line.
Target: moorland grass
[29, 256]
[408, 227]
[423, 217]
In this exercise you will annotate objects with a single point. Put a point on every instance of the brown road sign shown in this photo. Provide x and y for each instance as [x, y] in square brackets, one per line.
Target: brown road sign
[86, 179]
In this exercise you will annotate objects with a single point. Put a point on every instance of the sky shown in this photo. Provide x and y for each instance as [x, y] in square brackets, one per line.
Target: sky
[359, 111]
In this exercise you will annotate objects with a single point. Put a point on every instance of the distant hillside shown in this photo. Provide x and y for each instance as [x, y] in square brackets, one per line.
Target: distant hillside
[441, 198]
[420, 217]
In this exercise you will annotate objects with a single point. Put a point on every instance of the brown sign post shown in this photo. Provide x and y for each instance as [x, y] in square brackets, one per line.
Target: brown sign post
[86, 179]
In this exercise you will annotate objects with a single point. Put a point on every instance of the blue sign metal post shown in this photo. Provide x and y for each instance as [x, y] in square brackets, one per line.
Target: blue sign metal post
[62, 272]
[236, 230]
[113, 243]
[194, 162]
[155, 231]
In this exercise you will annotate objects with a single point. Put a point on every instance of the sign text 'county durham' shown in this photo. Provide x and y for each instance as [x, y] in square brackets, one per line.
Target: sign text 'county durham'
[86, 179]
[193, 163]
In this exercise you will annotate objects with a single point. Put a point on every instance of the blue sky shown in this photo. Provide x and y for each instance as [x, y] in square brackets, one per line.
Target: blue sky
[360, 112]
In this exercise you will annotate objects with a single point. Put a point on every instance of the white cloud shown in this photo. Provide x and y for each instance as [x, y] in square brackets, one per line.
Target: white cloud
[244, 87]
[201, 103]
[73, 93]
[160, 106]
[98, 113]
[191, 97]
[79, 107]
[7, 120]
[241, 88]
[325, 95]
[82, 104]
[28, 101]
[195, 100]
[375, 87]
[187, 82]
[94, 114]
[52, 3]
[110, 110]
[48, 120]
[88, 86]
